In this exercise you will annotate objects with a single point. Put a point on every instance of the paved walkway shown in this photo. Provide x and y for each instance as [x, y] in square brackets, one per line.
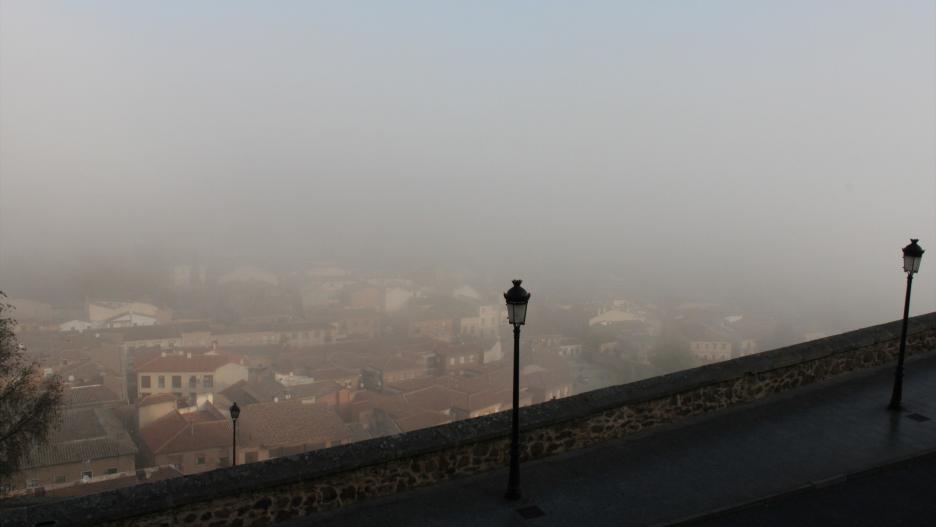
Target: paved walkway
[715, 462]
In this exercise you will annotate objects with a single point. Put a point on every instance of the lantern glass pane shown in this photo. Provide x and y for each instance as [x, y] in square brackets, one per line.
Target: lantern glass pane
[519, 314]
[912, 264]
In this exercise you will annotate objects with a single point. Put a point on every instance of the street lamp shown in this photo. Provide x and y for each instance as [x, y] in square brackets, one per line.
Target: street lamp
[517, 299]
[235, 413]
[912, 255]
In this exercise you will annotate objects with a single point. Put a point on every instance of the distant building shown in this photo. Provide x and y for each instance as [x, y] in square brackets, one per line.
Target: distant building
[571, 348]
[154, 407]
[710, 343]
[128, 320]
[101, 311]
[357, 324]
[92, 396]
[365, 297]
[91, 443]
[187, 375]
[466, 292]
[246, 274]
[270, 430]
[76, 325]
[191, 440]
[486, 324]
[189, 277]
[244, 393]
[453, 357]
[614, 316]
[396, 298]
[297, 334]
[434, 327]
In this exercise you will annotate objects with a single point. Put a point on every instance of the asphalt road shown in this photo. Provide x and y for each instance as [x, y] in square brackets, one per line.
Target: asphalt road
[898, 495]
[710, 464]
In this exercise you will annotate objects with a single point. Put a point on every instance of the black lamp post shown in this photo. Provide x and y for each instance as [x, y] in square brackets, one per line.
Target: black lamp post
[517, 299]
[235, 413]
[912, 255]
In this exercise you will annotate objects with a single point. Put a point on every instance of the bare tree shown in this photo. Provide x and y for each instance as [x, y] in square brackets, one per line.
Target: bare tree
[30, 405]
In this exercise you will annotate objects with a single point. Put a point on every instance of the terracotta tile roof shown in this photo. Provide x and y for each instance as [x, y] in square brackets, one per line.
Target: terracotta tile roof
[202, 416]
[201, 436]
[85, 434]
[330, 374]
[398, 363]
[91, 394]
[287, 327]
[156, 332]
[84, 371]
[362, 313]
[315, 389]
[177, 433]
[156, 399]
[239, 392]
[78, 451]
[480, 401]
[208, 362]
[289, 424]
[158, 433]
[393, 405]
[465, 384]
[437, 398]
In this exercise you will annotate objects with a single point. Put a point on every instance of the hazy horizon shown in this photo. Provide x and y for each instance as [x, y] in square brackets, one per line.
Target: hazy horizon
[780, 153]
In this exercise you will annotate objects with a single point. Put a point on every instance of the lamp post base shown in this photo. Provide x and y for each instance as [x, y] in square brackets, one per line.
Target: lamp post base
[513, 494]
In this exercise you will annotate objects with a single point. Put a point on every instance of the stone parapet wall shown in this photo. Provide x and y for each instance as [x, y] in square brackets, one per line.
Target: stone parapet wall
[279, 489]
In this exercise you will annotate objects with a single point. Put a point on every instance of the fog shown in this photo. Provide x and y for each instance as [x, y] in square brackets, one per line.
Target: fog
[777, 154]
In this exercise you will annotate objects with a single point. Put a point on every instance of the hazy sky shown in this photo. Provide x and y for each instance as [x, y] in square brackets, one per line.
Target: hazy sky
[783, 150]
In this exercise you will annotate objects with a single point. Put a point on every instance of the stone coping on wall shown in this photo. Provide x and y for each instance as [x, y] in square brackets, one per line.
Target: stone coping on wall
[169, 494]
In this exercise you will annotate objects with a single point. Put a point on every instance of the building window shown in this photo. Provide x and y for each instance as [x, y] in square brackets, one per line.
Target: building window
[111, 470]
[200, 459]
[192, 381]
[224, 461]
[32, 483]
[161, 381]
[208, 381]
[60, 479]
[87, 474]
[250, 457]
[145, 381]
[176, 381]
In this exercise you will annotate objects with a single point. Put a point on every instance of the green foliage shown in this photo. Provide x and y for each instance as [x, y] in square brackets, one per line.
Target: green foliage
[30, 406]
